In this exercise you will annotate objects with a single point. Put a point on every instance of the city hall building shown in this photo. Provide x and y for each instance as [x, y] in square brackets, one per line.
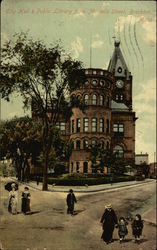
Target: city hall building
[108, 119]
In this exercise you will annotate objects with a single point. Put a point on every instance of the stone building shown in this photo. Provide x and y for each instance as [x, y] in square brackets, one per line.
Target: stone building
[108, 118]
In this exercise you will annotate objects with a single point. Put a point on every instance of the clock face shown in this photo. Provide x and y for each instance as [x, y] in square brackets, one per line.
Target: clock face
[119, 84]
[119, 70]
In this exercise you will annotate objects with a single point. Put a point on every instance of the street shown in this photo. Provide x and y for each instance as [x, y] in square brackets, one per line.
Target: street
[49, 227]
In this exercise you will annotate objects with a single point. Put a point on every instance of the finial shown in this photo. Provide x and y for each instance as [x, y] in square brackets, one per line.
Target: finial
[116, 43]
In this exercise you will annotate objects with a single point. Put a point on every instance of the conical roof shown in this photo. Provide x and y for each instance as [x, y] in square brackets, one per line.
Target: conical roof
[117, 63]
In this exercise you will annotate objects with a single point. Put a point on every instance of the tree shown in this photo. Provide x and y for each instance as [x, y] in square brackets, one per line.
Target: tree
[20, 137]
[101, 157]
[43, 76]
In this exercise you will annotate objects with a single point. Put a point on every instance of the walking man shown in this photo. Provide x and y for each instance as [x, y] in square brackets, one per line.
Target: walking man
[71, 200]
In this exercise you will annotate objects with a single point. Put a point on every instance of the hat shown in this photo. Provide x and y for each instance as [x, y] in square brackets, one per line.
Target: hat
[109, 206]
[13, 185]
[26, 188]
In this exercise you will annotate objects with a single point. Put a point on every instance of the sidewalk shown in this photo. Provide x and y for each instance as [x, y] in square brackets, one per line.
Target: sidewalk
[88, 189]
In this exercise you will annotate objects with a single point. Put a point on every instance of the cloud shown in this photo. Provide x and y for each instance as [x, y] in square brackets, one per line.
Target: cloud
[149, 27]
[97, 42]
[145, 107]
[77, 47]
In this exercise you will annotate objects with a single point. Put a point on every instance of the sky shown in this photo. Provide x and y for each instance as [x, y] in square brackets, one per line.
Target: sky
[81, 24]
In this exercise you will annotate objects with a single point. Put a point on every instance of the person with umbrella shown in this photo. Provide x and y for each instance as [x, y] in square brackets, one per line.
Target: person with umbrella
[13, 199]
[108, 220]
[71, 199]
[26, 200]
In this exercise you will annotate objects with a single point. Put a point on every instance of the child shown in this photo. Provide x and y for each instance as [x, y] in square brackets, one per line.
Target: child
[122, 228]
[137, 227]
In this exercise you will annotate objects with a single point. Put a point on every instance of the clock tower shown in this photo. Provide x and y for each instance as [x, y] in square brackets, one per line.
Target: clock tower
[123, 117]
[122, 89]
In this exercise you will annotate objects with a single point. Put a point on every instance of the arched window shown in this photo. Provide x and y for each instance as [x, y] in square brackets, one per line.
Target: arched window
[101, 125]
[94, 99]
[118, 150]
[85, 124]
[101, 100]
[86, 99]
[94, 124]
[101, 144]
[94, 143]
[85, 167]
[85, 144]
[78, 144]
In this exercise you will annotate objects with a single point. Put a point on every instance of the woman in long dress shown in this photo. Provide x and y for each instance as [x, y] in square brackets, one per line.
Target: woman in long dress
[13, 201]
[26, 200]
[108, 220]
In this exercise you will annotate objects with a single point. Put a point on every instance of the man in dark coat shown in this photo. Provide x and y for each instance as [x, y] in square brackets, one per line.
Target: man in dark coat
[108, 220]
[71, 199]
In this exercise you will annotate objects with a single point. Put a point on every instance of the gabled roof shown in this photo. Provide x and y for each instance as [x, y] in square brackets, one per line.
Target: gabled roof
[116, 106]
[117, 61]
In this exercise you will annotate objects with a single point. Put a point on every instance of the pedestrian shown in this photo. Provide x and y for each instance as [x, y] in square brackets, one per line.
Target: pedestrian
[71, 200]
[13, 200]
[26, 201]
[108, 220]
[137, 227]
[122, 228]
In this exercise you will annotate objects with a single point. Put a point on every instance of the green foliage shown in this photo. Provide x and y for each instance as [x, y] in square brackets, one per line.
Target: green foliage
[43, 76]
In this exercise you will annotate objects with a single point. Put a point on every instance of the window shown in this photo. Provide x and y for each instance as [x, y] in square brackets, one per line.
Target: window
[108, 101]
[78, 97]
[121, 97]
[101, 124]
[94, 82]
[72, 126]
[72, 167]
[94, 99]
[107, 126]
[85, 144]
[61, 126]
[86, 98]
[94, 143]
[102, 83]
[94, 72]
[101, 100]
[107, 145]
[119, 151]
[72, 145]
[117, 97]
[85, 124]
[78, 144]
[101, 144]
[86, 83]
[78, 125]
[85, 167]
[118, 128]
[101, 73]
[94, 124]
[77, 167]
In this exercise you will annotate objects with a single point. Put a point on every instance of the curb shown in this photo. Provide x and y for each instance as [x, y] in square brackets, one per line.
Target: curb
[88, 191]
